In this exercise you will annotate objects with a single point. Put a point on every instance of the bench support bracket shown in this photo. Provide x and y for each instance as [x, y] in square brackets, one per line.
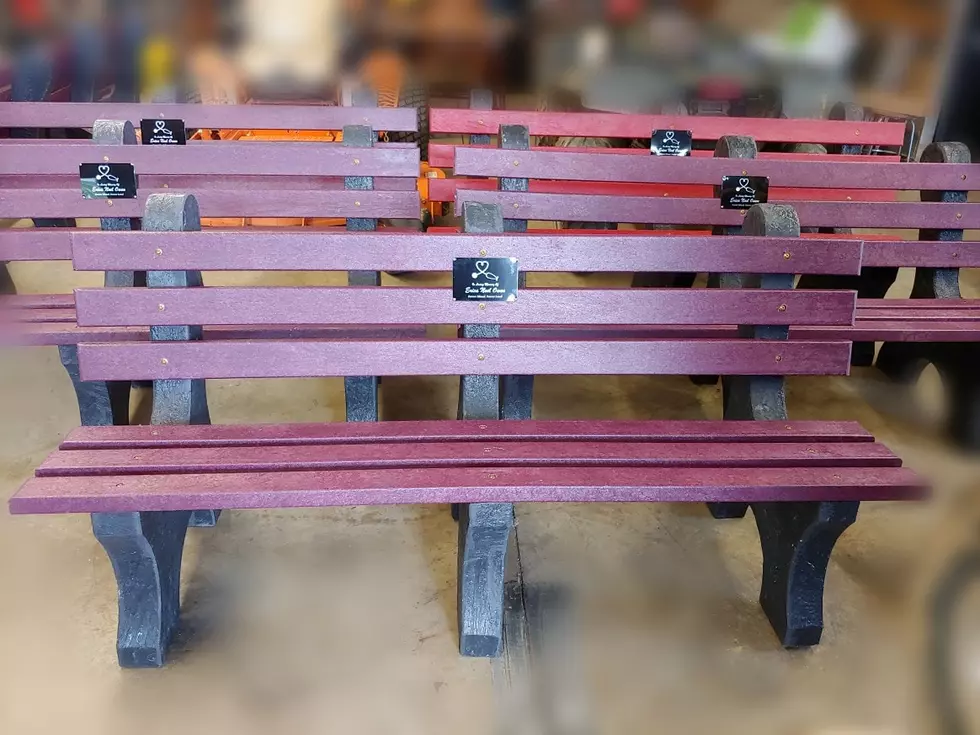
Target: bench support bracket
[178, 402]
[145, 550]
[797, 539]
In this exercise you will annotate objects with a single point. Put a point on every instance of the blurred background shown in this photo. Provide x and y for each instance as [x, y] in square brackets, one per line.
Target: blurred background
[897, 58]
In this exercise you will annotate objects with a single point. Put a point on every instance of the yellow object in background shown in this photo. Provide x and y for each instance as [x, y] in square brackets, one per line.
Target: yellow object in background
[157, 72]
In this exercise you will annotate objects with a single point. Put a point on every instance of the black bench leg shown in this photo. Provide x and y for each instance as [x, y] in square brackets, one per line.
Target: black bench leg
[484, 530]
[99, 403]
[517, 394]
[959, 373]
[145, 550]
[797, 539]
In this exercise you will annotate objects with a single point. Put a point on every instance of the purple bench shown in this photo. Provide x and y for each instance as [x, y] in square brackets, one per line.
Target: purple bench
[246, 179]
[805, 480]
[935, 325]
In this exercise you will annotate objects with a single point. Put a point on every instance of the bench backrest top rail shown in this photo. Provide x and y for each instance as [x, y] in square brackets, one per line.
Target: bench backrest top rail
[305, 251]
[268, 117]
[295, 159]
[613, 125]
[816, 174]
[404, 305]
[680, 211]
[327, 358]
[232, 202]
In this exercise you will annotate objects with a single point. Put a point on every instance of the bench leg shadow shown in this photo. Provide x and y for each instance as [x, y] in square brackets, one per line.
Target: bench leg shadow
[484, 531]
[797, 539]
[145, 550]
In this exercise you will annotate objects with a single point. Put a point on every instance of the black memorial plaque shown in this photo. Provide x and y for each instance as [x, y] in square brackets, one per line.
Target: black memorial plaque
[485, 279]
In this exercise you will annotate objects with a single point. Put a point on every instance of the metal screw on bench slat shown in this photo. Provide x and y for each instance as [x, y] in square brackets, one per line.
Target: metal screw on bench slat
[782, 307]
[108, 202]
[483, 252]
[105, 158]
[164, 361]
[779, 358]
[787, 255]
[161, 307]
[517, 163]
[959, 215]
[158, 251]
[357, 161]
[481, 357]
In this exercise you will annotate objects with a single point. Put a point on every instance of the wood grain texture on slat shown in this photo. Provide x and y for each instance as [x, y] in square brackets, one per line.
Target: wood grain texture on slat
[34, 244]
[404, 305]
[217, 203]
[443, 155]
[444, 190]
[614, 125]
[118, 493]
[457, 454]
[675, 170]
[370, 251]
[648, 210]
[262, 117]
[294, 159]
[297, 359]
[418, 432]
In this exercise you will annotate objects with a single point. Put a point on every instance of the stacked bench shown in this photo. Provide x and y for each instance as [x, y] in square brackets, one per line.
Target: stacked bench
[805, 480]
[935, 325]
[355, 180]
[788, 139]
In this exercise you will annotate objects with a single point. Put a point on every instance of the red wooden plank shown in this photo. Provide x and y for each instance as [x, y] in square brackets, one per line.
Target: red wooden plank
[612, 125]
[34, 244]
[311, 250]
[296, 359]
[677, 170]
[443, 155]
[470, 454]
[648, 210]
[106, 307]
[417, 432]
[296, 159]
[265, 117]
[460, 485]
[28, 316]
[444, 190]
[195, 183]
[217, 203]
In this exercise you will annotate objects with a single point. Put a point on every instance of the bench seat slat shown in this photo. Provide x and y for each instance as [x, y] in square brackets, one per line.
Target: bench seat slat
[296, 358]
[254, 117]
[650, 210]
[228, 250]
[37, 301]
[417, 432]
[470, 454]
[815, 174]
[65, 202]
[615, 125]
[35, 244]
[235, 159]
[402, 305]
[120, 493]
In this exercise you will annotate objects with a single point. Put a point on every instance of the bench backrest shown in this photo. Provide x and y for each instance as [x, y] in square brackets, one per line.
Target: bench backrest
[943, 178]
[167, 308]
[231, 179]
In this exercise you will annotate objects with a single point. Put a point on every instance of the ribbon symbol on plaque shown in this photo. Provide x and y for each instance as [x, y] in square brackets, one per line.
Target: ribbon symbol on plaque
[483, 269]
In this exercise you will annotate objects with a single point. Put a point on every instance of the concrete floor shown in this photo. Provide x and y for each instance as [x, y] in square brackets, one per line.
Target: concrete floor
[342, 620]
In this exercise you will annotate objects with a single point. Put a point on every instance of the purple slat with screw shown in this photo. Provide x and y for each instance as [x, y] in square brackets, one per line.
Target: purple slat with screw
[372, 251]
[459, 485]
[296, 359]
[398, 305]
[570, 166]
